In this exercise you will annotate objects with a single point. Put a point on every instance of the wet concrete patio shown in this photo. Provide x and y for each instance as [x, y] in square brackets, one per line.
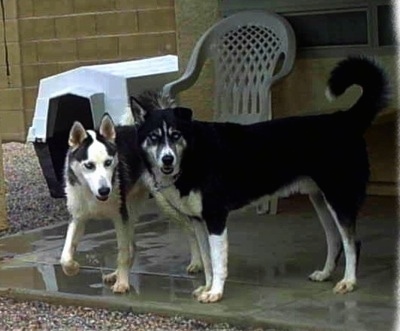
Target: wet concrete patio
[269, 260]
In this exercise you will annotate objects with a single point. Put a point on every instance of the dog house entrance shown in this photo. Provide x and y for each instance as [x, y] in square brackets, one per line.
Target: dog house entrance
[63, 111]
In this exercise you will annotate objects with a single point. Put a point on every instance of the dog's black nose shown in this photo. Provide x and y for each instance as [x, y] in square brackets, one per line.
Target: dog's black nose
[167, 160]
[104, 191]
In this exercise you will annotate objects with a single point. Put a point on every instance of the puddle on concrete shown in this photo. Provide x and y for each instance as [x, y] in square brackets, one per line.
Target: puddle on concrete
[268, 268]
[267, 255]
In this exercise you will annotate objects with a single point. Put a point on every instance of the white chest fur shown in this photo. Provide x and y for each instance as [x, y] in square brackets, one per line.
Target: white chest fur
[189, 205]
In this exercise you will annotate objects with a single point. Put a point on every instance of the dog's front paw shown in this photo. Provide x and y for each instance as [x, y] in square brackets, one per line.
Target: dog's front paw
[110, 278]
[194, 267]
[70, 268]
[319, 276]
[344, 286]
[120, 287]
[209, 297]
[198, 291]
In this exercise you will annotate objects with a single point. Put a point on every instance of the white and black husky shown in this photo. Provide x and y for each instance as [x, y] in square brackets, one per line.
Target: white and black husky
[204, 170]
[102, 169]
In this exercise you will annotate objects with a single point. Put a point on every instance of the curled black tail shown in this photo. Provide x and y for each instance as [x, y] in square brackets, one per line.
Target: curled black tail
[371, 77]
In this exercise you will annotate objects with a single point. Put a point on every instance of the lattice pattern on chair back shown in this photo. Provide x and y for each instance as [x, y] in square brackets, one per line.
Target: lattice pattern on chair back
[246, 58]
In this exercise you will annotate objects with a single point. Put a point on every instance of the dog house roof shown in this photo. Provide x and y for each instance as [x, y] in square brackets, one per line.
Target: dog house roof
[106, 86]
[100, 76]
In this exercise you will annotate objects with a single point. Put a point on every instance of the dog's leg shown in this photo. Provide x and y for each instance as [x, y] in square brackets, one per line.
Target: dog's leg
[76, 228]
[332, 238]
[347, 233]
[124, 260]
[111, 278]
[201, 233]
[195, 264]
[135, 199]
[195, 261]
[219, 262]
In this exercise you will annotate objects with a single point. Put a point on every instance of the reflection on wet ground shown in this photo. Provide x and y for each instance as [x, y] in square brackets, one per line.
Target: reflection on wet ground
[269, 260]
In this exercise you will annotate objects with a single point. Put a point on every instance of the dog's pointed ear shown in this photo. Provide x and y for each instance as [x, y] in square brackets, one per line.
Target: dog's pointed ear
[77, 135]
[183, 113]
[107, 128]
[138, 111]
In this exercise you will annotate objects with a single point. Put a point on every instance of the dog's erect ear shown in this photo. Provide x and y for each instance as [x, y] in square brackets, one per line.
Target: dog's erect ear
[183, 113]
[138, 111]
[107, 128]
[77, 134]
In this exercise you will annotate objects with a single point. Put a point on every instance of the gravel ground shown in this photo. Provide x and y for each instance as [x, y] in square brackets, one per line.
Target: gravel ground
[30, 206]
[37, 315]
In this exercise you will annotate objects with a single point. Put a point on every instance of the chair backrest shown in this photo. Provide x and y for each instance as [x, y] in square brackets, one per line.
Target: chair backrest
[250, 50]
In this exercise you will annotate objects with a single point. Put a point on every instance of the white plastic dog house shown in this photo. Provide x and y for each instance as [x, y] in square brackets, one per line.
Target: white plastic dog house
[85, 94]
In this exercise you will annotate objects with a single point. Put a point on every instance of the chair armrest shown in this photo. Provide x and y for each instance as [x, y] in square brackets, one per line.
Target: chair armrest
[192, 72]
[291, 54]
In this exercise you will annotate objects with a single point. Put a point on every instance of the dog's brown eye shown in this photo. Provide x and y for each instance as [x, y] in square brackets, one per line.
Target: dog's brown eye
[89, 165]
[175, 135]
[107, 163]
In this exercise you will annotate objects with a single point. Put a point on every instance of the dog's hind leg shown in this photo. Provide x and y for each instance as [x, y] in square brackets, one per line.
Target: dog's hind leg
[346, 229]
[76, 228]
[333, 240]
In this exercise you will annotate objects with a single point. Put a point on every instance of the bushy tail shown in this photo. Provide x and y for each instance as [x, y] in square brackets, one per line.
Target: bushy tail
[371, 77]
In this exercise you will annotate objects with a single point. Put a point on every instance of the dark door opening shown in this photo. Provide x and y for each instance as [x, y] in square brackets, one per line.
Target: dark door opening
[63, 112]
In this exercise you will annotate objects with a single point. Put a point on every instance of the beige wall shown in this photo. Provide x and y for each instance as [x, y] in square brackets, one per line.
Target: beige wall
[50, 36]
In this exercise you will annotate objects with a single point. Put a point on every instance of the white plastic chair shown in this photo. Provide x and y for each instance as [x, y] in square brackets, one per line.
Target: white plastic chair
[251, 51]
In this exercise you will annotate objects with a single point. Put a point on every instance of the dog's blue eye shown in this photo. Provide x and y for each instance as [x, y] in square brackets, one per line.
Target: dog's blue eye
[107, 163]
[153, 137]
[89, 165]
[175, 135]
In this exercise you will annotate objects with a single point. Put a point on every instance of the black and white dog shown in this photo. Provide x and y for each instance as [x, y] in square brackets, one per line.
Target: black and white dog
[102, 181]
[102, 172]
[204, 169]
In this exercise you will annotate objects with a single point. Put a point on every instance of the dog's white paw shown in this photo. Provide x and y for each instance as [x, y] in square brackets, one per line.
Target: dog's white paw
[120, 287]
[198, 291]
[110, 278]
[209, 297]
[319, 276]
[194, 267]
[344, 286]
[70, 268]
